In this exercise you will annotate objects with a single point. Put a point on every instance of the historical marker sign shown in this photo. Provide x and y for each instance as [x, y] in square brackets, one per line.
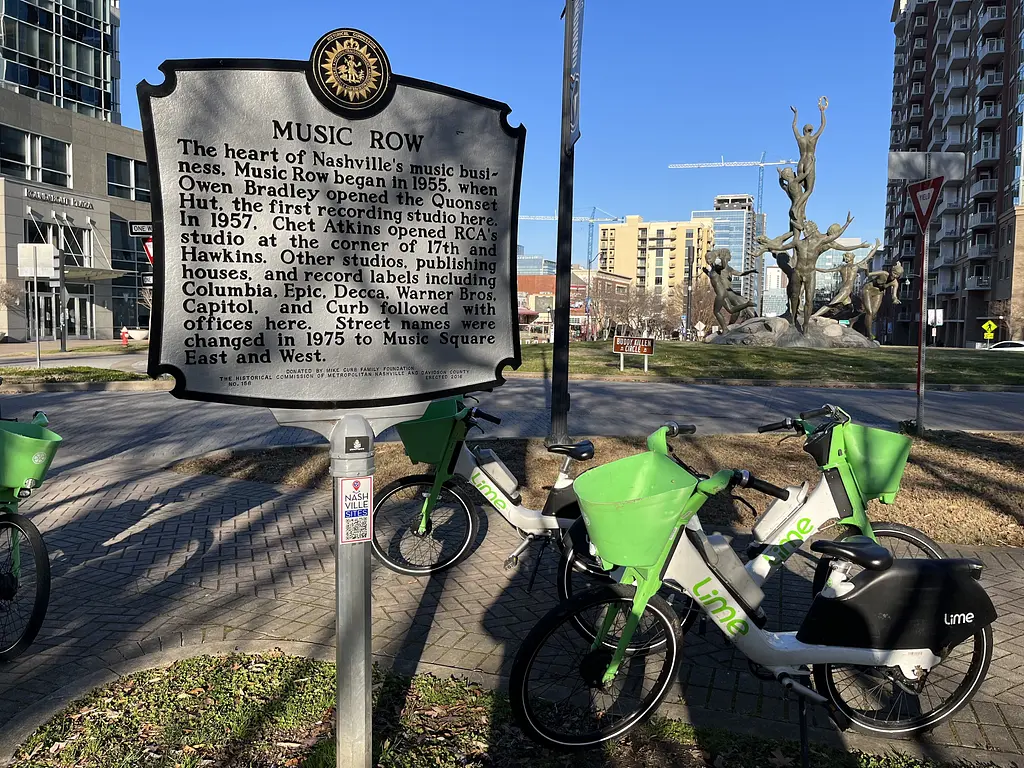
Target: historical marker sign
[330, 234]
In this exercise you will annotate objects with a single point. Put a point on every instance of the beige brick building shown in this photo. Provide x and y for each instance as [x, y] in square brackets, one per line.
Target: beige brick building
[660, 256]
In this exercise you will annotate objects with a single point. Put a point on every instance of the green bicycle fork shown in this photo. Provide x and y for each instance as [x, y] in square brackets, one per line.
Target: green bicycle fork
[646, 588]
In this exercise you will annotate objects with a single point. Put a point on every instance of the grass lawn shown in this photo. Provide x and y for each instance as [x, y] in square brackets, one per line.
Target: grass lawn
[963, 488]
[690, 360]
[72, 373]
[275, 710]
[134, 347]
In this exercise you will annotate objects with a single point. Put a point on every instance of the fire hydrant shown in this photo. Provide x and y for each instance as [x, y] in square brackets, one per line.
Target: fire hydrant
[124, 337]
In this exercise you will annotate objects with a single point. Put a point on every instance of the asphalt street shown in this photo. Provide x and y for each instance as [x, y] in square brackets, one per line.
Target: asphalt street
[155, 428]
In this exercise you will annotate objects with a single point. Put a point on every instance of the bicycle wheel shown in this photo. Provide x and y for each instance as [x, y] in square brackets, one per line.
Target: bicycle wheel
[880, 700]
[902, 541]
[24, 584]
[555, 687]
[578, 571]
[397, 511]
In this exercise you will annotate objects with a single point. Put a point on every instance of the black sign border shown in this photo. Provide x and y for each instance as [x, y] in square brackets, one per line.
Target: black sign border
[147, 91]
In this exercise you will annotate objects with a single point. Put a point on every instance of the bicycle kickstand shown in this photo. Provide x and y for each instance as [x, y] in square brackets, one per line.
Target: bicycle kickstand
[536, 565]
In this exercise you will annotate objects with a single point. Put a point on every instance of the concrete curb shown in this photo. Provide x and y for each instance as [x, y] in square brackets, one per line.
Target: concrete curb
[783, 383]
[32, 718]
[87, 386]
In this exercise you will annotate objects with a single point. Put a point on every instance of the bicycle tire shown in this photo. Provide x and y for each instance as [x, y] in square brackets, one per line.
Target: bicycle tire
[860, 719]
[394, 542]
[560, 623]
[883, 531]
[14, 646]
[571, 566]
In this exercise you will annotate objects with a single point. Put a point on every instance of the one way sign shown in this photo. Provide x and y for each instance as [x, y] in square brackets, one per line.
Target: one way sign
[924, 195]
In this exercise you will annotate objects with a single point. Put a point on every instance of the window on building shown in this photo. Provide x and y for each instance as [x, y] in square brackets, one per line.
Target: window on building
[36, 158]
[74, 242]
[127, 178]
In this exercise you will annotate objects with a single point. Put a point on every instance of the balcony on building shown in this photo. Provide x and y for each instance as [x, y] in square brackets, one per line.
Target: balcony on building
[959, 28]
[941, 41]
[899, 99]
[991, 50]
[917, 92]
[985, 156]
[947, 288]
[917, 113]
[979, 282]
[920, 44]
[954, 114]
[946, 259]
[990, 84]
[980, 251]
[910, 229]
[992, 18]
[938, 90]
[955, 142]
[984, 220]
[984, 188]
[938, 141]
[959, 55]
[949, 232]
[988, 116]
[950, 204]
[957, 85]
[900, 61]
[918, 70]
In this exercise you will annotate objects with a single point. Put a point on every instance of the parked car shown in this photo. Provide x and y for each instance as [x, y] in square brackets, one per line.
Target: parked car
[1009, 346]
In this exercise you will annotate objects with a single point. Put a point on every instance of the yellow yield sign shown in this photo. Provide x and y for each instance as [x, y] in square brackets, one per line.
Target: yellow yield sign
[990, 329]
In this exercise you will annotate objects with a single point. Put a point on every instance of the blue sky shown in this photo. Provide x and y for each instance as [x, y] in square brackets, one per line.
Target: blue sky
[664, 81]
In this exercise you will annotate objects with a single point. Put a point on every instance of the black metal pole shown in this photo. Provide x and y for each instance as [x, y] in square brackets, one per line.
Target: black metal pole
[563, 262]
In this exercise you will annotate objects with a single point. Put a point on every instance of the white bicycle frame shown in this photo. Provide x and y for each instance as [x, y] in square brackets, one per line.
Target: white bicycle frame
[789, 524]
[525, 519]
[779, 652]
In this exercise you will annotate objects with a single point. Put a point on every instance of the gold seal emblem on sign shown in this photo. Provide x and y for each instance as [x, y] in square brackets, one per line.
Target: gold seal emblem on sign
[350, 69]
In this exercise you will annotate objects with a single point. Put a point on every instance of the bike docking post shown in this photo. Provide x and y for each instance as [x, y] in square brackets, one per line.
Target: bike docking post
[352, 474]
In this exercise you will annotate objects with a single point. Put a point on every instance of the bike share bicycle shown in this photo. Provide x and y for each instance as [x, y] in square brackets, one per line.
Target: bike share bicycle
[26, 451]
[423, 524]
[895, 650]
[836, 444]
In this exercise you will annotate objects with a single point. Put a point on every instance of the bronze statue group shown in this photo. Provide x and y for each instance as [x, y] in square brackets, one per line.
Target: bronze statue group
[797, 252]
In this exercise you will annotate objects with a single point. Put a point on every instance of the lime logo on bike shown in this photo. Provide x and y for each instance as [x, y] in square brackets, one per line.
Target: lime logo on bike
[790, 542]
[39, 458]
[482, 483]
[719, 607]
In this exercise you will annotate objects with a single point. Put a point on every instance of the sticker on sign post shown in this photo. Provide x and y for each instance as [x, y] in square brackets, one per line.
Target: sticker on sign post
[356, 509]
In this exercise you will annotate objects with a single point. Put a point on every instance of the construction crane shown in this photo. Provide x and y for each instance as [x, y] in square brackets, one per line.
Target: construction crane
[740, 164]
[592, 219]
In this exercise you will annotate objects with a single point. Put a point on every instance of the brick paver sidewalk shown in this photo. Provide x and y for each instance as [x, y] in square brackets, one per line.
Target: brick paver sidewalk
[148, 560]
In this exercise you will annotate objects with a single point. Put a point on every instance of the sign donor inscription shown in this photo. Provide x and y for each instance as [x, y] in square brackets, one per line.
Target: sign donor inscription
[327, 233]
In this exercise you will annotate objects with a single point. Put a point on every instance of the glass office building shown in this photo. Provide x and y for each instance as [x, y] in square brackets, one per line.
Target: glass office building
[736, 227]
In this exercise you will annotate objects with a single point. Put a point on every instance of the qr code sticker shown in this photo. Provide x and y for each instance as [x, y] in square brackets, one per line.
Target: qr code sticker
[358, 528]
[357, 501]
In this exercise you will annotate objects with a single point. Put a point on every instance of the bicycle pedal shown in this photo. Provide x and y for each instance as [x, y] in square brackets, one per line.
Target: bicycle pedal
[511, 562]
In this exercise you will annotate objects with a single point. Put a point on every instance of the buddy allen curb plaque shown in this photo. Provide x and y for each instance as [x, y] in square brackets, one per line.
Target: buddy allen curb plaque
[329, 234]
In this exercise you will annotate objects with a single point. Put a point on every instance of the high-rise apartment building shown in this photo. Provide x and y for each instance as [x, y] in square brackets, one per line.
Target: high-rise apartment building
[660, 256]
[957, 86]
[736, 226]
[71, 176]
[774, 298]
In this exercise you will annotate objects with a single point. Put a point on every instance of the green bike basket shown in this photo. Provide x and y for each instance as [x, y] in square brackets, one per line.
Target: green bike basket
[877, 458]
[26, 451]
[631, 506]
[426, 438]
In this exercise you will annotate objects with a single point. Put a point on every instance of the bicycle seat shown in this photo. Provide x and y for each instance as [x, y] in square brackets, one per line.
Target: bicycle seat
[859, 550]
[581, 451]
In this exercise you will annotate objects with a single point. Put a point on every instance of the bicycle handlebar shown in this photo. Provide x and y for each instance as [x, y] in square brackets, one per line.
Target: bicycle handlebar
[675, 429]
[777, 425]
[744, 479]
[478, 414]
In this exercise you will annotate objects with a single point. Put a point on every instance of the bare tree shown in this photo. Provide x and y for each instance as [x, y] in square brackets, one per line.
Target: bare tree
[12, 297]
[1012, 313]
[146, 300]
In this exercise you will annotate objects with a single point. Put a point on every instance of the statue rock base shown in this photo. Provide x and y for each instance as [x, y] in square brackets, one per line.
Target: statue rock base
[822, 333]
